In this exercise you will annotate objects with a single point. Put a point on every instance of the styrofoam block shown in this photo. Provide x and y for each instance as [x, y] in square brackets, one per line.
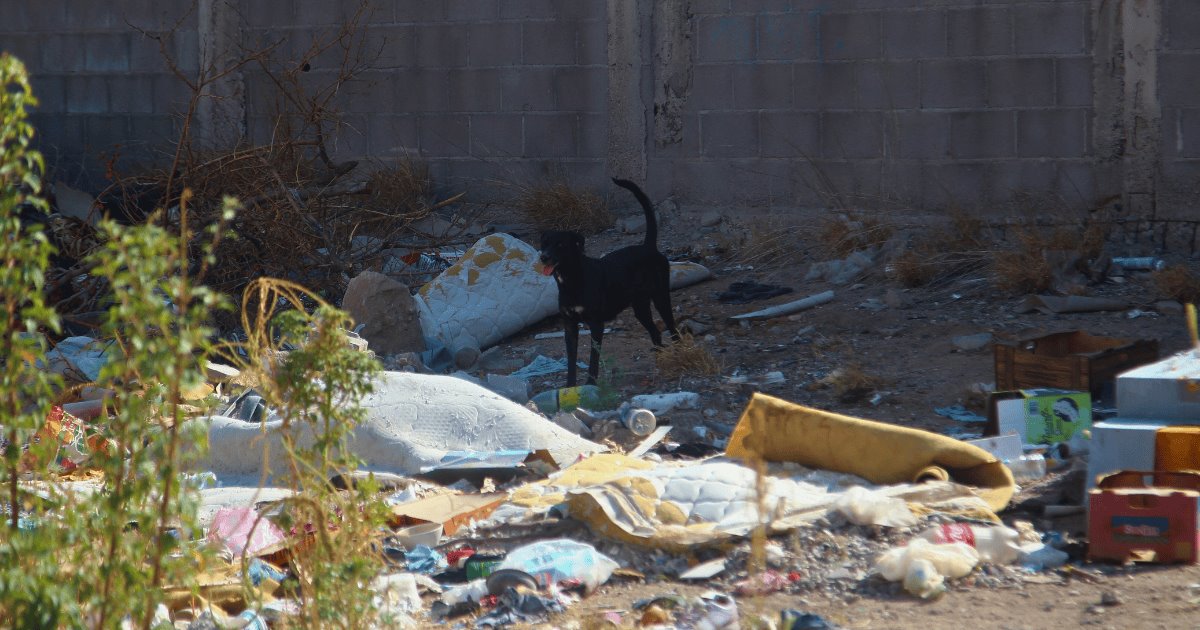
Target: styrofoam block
[1164, 390]
[1121, 444]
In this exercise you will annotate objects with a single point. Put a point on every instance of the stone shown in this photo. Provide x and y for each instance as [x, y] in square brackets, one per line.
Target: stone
[897, 298]
[568, 421]
[513, 388]
[710, 218]
[1168, 307]
[387, 313]
[977, 341]
[633, 225]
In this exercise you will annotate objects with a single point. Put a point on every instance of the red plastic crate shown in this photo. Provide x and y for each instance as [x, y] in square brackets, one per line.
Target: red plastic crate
[1149, 517]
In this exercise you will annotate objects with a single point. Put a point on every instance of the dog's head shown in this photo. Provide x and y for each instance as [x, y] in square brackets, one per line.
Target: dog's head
[558, 248]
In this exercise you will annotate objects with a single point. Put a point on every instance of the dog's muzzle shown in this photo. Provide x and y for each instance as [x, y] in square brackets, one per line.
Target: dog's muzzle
[548, 264]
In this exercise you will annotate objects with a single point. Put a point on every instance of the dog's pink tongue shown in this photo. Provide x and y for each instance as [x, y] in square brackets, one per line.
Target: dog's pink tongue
[547, 270]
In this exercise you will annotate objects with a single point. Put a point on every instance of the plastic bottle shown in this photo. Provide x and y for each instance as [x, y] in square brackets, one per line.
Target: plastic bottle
[474, 591]
[1141, 263]
[638, 421]
[1028, 467]
[996, 544]
[662, 403]
[567, 398]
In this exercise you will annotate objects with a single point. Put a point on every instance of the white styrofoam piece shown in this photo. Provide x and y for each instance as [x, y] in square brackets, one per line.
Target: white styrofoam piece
[1164, 390]
[1006, 448]
[1011, 416]
[1121, 444]
[412, 421]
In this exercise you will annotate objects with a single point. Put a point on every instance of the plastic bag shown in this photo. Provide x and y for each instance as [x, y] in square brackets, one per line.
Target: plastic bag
[995, 543]
[867, 507]
[240, 530]
[923, 565]
[553, 561]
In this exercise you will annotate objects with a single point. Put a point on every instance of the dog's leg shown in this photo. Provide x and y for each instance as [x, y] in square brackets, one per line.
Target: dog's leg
[641, 310]
[594, 361]
[662, 303]
[571, 335]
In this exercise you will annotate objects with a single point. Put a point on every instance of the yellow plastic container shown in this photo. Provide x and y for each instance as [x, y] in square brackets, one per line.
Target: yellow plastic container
[1177, 448]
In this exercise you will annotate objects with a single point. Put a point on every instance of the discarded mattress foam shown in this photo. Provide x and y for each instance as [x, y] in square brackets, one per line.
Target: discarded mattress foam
[778, 430]
[411, 422]
[702, 503]
[495, 290]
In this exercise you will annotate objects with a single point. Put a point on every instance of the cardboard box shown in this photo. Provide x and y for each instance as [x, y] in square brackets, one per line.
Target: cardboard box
[1073, 360]
[1039, 416]
[1121, 444]
[1177, 448]
[1145, 516]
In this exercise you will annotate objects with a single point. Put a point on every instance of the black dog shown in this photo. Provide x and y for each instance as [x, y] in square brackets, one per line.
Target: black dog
[593, 291]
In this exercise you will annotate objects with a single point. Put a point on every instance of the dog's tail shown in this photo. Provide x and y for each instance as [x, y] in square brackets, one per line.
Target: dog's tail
[651, 223]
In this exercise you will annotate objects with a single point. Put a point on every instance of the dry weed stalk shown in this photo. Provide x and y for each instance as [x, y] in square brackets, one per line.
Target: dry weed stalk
[685, 358]
[850, 383]
[1178, 283]
[558, 206]
[853, 232]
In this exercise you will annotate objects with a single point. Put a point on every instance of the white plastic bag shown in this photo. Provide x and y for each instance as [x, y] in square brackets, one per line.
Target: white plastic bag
[924, 566]
[995, 543]
[867, 507]
[239, 529]
[552, 561]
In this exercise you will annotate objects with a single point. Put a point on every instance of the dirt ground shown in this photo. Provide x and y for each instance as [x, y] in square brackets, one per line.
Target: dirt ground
[903, 340]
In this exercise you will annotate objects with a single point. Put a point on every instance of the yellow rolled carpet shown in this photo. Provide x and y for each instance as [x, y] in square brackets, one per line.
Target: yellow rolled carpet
[779, 431]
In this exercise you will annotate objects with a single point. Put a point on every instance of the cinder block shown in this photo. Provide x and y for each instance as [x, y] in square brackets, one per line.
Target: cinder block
[473, 89]
[922, 135]
[980, 31]
[851, 35]
[1178, 76]
[170, 94]
[712, 87]
[953, 83]
[441, 45]
[527, 9]
[824, 85]
[688, 146]
[494, 44]
[550, 135]
[421, 90]
[393, 135]
[954, 183]
[35, 16]
[145, 54]
[87, 94]
[581, 89]
[26, 47]
[351, 139]
[1057, 27]
[762, 86]
[726, 38]
[51, 93]
[729, 134]
[497, 135]
[592, 42]
[790, 134]
[186, 48]
[787, 37]
[887, 84]
[63, 53]
[393, 46]
[914, 34]
[153, 132]
[471, 10]
[527, 89]
[265, 13]
[90, 15]
[983, 134]
[1073, 82]
[549, 43]
[1083, 183]
[1187, 133]
[1020, 82]
[418, 11]
[131, 94]
[707, 7]
[852, 135]
[444, 135]
[1182, 21]
[371, 91]
[106, 132]
[1060, 133]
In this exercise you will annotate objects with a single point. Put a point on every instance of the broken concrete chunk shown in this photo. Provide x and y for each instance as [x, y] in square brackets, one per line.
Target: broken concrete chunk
[385, 309]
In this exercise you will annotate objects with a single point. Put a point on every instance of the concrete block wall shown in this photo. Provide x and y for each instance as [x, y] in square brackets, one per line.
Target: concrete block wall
[983, 104]
[104, 88]
[957, 102]
[485, 90]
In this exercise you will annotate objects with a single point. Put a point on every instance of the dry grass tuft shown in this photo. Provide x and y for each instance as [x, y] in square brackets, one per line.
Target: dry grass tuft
[945, 252]
[685, 358]
[1178, 283]
[850, 383]
[557, 206]
[405, 189]
[1026, 268]
[845, 235]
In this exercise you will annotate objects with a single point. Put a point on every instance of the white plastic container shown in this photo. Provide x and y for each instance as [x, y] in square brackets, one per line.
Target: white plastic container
[474, 591]
[996, 544]
[1028, 467]
[659, 404]
[639, 421]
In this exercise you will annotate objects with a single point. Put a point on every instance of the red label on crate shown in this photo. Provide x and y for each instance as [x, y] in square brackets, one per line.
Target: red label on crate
[1141, 528]
[955, 532]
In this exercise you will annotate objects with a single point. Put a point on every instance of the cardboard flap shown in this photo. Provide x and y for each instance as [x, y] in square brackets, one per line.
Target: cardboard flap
[1182, 480]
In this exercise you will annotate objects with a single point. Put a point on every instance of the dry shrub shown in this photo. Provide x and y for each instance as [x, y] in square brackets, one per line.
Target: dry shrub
[771, 244]
[850, 383]
[944, 252]
[685, 358]
[1026, 268]
[845, 235]
[558, 206]
[1178, 283]
[405, 189]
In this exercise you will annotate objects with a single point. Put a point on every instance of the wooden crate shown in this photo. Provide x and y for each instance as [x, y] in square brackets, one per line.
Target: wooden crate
[1071, 360]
